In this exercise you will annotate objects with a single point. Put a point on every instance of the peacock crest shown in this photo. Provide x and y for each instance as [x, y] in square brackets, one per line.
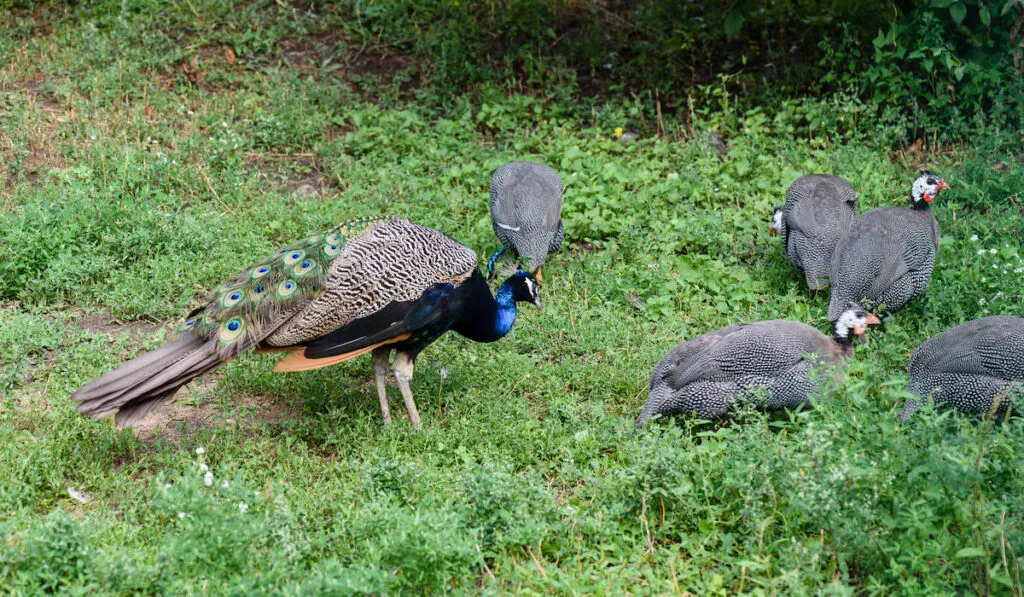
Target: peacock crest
[236, 311]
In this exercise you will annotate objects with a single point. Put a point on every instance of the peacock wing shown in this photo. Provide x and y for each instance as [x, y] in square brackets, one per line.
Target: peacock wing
[253, 305]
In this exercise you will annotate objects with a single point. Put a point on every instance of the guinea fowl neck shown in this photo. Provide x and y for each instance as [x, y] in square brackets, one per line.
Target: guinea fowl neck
[844, 339]
[487, 318]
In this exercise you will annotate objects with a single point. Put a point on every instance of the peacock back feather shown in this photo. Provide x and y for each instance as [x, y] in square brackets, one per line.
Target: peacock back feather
[237, 312]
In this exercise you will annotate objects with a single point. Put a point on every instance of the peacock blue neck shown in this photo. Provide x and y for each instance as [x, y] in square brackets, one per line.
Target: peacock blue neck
[486, 318]
[505, 314]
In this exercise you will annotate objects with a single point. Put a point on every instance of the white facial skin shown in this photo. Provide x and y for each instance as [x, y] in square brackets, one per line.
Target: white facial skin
[851, 320]
[776, 221]
[531, 286]
[926, 187]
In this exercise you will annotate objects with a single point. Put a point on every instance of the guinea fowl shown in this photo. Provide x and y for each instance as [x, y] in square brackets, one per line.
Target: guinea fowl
[817, 213]
[710, 374]
[370, 285]
[976, 367]
[886, 258]
[526, 212]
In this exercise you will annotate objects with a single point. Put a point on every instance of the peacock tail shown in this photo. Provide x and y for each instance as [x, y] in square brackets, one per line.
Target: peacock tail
[237, 313]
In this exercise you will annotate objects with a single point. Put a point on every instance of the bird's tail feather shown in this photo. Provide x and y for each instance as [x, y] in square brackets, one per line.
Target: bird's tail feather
[141, 384]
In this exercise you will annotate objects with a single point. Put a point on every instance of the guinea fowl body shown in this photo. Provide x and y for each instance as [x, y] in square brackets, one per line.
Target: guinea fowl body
[526, 211]
[887, 256]
[816, 215]
[976, 367]
[710, 374]
[375, 284]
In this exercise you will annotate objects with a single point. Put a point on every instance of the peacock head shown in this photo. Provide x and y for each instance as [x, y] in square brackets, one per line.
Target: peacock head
[776, 225]
[854, 319]
[926, 188]
[524, 288]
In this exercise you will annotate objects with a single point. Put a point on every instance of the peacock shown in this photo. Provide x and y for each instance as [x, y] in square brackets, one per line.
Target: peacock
[371, 285]
[526, 212]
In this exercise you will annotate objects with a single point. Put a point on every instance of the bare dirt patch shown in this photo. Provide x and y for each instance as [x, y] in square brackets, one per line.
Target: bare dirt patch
[181, 418]
[368, 69]
[104, 323]
[40, 155]
[298, 174]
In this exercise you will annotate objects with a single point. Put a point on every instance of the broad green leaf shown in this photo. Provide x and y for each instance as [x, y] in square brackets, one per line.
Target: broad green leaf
[986, 17]
[733, 22]
[958, 11]
[970, 552]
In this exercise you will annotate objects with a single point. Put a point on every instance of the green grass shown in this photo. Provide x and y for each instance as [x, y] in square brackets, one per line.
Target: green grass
[128, 188]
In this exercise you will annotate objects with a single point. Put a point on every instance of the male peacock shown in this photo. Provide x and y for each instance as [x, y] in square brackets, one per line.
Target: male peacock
[372, 284]
[526, 212]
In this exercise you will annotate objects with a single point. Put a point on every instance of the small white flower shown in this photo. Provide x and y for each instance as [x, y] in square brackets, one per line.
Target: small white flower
[981, 251]
[224, 485]
[181, 515]
[243, 507]
[993, 251]
[203, 467]
[93, 137]
[81, 497]
[974, 238]
[995, 266]
[1019, 270]
[444, 372]
[200, 450]
[167, 485]
[208, 478]
[673, 175]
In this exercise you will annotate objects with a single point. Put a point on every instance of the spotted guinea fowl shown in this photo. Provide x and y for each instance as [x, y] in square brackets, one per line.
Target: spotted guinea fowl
[886, 258]
[526, 212]
[369, 285]
[710, 374]
[976, 367]
[817, 213]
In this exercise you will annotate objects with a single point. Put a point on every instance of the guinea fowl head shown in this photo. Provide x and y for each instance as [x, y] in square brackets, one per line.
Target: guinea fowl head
[926, 188]
[854, 320]
[776, 225]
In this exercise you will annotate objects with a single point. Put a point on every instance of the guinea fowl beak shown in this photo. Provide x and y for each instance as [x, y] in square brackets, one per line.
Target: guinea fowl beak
[942, 185]
[872, 320]
[859, 329]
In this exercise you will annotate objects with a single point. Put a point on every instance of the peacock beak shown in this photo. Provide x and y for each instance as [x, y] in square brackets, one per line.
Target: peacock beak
[536, 302]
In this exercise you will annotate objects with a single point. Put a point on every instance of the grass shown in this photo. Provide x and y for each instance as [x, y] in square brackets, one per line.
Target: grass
[143, 163]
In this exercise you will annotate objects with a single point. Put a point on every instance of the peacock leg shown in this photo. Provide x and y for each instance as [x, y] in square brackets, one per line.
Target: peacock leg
[403, 367]
[380, 375]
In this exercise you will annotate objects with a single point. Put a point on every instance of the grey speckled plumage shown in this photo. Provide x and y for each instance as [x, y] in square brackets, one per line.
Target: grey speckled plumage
[768, 360]
[526, 210]
[373, 284]
[816, 215]
[976, 367]
[887, 256]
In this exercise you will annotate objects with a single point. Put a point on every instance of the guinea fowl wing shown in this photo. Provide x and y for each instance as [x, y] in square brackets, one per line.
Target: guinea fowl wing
[991, 346]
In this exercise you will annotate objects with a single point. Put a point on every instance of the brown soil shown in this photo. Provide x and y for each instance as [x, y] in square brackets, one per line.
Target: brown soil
[180, 419]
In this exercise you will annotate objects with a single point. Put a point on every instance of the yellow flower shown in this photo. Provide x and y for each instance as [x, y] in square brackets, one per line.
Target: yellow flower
[618, 132]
